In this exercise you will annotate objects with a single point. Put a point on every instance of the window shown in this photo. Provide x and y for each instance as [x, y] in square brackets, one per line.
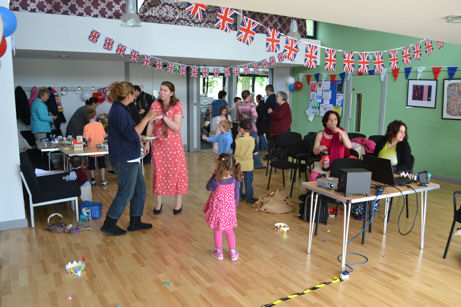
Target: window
[311, 28]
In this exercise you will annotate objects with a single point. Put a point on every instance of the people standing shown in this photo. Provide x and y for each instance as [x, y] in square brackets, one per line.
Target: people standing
[143, 101]
[261, 109]
[40, 119]
[271, 102]
[244, 151]
[78, 119]
[224, 139]
[94, 134]
[218, 103]
[214, 125]
[280, 117]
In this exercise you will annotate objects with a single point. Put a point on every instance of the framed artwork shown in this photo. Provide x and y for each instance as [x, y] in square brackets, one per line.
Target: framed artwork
[422, 93]
[451, 108]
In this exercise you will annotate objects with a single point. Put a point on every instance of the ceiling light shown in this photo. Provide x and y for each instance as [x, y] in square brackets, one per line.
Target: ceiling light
[130, 18]
[294, 30]
[454, 19]
[63, 56]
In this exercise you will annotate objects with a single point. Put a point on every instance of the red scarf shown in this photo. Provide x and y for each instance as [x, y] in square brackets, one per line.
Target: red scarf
[337, 149]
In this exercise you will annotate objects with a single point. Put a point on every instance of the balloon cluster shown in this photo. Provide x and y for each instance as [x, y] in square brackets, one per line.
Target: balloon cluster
[8, 25]
[294, 85]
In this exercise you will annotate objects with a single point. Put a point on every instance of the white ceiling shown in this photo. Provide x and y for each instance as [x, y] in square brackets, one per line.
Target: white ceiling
[418, 18]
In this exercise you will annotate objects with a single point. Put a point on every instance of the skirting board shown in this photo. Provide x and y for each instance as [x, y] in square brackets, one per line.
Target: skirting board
[447, 179]
[8, 225]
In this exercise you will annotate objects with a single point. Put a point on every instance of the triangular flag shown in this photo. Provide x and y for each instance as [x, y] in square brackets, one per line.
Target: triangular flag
[451, 71]
[395, 73]
[407, 72]
[436, 71]
[420, 72]
[316, 76]
[360, 73]
[308, 78]
[371, 72]
[332, 77]
[383, 74]
[342, 75]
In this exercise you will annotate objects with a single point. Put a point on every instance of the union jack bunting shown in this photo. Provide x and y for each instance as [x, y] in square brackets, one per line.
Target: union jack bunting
[256, 67]
[171, 67]
[264, 63]
[246, 69]
[291, 49]
[406, 55]
[311, 58]
[227, 71]
[330, 59]
[159, 64]
[146, 61]
[108, 44]
[182, 70]
[194, 71]
[417, 51]
[205, 72]
[94, 36]
[272, 60]
[247, 31]
[379, 63]
[393, 59]
[364, 62]
[236, 70]
[429, 47]
[440, 44]
[216, 72]
[134, 55]
[224, 19]
[281, 57]
[196, 10]
[121, 49]
[348, 61]
[272, 40]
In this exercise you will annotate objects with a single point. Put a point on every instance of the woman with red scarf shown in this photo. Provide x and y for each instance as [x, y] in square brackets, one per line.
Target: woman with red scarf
[332, 139]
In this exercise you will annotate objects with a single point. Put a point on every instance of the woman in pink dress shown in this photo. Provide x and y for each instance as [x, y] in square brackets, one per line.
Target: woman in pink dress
[169, 170]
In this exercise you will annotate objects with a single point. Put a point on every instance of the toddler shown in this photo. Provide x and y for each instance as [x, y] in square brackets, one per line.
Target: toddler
[244, 151]
[224, 139]
[77, 173]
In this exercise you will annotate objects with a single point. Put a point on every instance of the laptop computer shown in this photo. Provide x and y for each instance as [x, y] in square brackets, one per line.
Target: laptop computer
[381, 171]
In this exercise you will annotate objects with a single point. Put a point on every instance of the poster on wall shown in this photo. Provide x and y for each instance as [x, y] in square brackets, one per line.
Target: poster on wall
[422, 93]
[451, 108]
[325, 96]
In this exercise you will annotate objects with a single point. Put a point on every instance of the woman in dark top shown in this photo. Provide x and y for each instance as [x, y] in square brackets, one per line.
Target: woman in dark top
[394, 146]
[78, 119]
[125, 156]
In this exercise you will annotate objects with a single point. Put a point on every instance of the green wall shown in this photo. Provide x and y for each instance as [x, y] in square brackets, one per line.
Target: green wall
[435, 143]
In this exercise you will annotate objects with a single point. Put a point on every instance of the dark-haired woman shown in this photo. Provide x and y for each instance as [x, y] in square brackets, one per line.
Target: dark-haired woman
[394, 146]
[169, 170]
[78, 119]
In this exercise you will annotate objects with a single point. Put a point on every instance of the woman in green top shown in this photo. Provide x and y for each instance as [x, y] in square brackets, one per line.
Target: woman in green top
[394, 146]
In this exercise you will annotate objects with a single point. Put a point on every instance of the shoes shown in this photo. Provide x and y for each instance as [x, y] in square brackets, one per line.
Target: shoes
[136, 224]
[157, 212]
[177, 211]
[242, 197]
[252, 201]
[104, 183]
[457, 232]
[234, 255]
[111, 228]
[93, 181]
[260, 167]
[218, 254]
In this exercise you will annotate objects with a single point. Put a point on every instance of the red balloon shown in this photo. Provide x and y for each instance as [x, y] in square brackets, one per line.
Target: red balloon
[98, 96]
[2, 47]
[298, 85]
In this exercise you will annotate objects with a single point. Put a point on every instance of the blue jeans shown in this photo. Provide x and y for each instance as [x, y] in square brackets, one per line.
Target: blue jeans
[262, 142]
[131, 189]
[248, 180]
[256, 159]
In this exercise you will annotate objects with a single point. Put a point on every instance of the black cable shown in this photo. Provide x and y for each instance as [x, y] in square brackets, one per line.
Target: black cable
[416, 215]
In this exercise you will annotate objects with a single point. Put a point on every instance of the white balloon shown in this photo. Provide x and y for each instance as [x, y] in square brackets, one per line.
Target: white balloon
[290, 80]
[1, 28]
[85, 96]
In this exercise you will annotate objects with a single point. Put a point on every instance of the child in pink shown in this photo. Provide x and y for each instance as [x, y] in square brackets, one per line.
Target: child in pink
[220, 209]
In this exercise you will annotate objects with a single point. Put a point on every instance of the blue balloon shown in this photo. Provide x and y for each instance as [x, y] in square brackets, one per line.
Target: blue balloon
[291, 87]
[9, 21]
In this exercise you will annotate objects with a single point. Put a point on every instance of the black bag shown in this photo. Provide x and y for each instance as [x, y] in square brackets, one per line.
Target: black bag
[304, 213]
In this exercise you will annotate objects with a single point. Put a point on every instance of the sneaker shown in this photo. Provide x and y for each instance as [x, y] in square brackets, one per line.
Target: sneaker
[252, 201]
[457, 232]
[234, 255]
[104, 183]
[218, 254]
[93, 181]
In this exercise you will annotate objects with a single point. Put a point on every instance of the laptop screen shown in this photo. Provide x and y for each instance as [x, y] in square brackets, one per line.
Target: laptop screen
[381, 169]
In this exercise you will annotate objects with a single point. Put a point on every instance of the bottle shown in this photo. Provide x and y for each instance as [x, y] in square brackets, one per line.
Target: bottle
[325, 156]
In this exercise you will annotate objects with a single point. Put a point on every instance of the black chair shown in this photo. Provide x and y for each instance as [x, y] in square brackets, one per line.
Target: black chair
[47, 190]
[456, 218]
[283, 141]
[376, 138]
[353, 135]
[306, 157]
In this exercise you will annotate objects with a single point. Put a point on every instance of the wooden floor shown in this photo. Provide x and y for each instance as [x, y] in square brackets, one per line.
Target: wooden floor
[171, 265]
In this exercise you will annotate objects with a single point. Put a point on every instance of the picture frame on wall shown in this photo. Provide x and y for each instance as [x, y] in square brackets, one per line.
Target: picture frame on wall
[451, 108]
[422, 93]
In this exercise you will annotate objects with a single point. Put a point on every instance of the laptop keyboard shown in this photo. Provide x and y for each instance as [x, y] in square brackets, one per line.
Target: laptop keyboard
[402, 180]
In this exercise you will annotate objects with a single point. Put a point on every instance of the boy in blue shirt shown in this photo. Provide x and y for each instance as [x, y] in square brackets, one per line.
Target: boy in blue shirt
[224, 139]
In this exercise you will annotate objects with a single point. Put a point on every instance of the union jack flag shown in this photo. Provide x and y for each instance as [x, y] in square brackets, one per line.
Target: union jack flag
[348, 61]
[264, 63]
[440, 44]
[364, 61]
[256, 67]
[246, 69]
[428, 48]
[146, 61]
[272, 60]
[182, 70]
[216, 72]
[121, 49]
[281, 57]
[236, 70]
[393, 59]
[291, 49]
[104, 93]
[224, 19]
[330, 59]
[379, 63]
[134, 55]
[94, 36]
[247, 31]
[227, 71]
[159, 64]
[311, 59]
[205, 72]
[194, 71]
[108, 44]
[406, 55]
[196, 10]
[272, 40]
[417, 51]
[171, 67]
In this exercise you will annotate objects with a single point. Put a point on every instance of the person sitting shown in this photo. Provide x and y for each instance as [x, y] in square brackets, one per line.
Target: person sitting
[394, 146]
[78, 174]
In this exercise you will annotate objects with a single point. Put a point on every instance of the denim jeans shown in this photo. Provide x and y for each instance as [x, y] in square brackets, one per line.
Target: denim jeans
[248, 180]
[262, 142]
[131, 189]
[256, 159]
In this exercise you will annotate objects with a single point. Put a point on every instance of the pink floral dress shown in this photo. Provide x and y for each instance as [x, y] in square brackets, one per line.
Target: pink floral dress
[220, 211]
[169, 169]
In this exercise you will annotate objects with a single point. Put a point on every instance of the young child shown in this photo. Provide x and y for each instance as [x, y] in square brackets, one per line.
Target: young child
[94, 134]
[77, 173]
[224, 139]
[220, 209]
[244, 151]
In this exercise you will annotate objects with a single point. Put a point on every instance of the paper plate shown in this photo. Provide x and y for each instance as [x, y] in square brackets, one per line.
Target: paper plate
[149, 138]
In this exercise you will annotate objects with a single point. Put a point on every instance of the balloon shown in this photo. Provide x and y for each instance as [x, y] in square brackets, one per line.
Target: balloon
[298, 85]
[2, 47]
[85, 96]
[1, 27]
[291, 87]
[98, 96]
[9, 21]
[290, 80]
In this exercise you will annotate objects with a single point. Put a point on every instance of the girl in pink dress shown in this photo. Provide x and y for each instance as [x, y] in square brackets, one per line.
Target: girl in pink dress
[220, 209]
[169, 170]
